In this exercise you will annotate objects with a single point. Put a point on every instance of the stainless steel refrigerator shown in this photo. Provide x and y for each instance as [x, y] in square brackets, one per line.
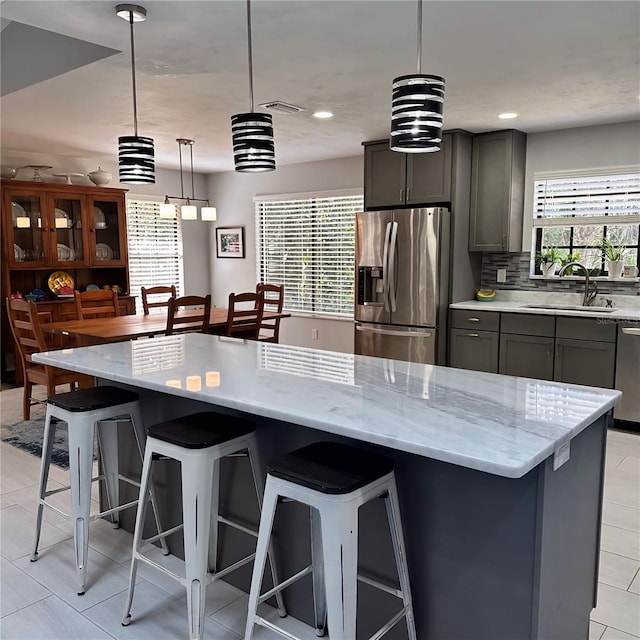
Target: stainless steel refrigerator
[402, 284]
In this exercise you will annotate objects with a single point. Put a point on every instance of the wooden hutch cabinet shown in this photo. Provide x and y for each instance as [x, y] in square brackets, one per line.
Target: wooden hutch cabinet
[47, 227]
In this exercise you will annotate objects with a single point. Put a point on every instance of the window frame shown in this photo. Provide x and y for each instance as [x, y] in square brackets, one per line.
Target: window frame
[259, 232]
[571, 222]
[179, 256]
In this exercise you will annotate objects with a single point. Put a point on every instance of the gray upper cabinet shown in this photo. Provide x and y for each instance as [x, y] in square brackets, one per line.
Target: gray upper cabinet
[497, 191]
[394, 179]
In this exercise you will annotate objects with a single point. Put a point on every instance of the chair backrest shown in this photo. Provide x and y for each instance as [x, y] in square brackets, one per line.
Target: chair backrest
[273, 295]
[192, 320]
[96, 304]
[169, 292]
[245, 315]
[25, 326]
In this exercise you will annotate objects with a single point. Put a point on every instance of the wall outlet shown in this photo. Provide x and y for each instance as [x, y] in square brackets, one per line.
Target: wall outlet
[502, 275]
[314, 334]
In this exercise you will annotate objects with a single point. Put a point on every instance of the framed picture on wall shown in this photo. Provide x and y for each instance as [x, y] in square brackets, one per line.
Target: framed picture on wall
[230, 242]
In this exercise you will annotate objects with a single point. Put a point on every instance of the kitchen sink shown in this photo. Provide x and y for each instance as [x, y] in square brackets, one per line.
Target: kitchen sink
[569, 307]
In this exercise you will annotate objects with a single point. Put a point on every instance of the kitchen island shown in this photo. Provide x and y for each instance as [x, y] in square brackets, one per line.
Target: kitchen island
[500, 478]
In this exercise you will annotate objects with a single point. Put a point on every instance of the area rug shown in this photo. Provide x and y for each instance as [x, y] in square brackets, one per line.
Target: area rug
[28, 435]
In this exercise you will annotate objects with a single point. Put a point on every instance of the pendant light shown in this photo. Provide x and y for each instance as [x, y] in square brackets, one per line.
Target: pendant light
[416, 108]
[188, 211]
[135, 153]
[252, 133]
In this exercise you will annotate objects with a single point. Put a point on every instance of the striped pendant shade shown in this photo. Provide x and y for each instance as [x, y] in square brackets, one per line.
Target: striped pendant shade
[253, 146]
[136, 160]
[416, 113]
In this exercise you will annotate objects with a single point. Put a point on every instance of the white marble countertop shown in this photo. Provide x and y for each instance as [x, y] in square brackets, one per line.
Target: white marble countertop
[494, 423]
[625, 307]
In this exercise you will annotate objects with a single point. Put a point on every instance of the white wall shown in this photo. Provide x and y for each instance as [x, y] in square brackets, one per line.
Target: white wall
[232, 193]
[195, 234]
[605, 146]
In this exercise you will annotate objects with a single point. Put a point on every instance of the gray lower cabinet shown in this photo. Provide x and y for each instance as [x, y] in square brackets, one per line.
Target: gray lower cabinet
[476, 350]
[526, 356]
[587, 362]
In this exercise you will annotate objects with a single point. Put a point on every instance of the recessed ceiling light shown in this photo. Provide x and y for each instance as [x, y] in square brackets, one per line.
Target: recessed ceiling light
[323, 114]
[507, 116]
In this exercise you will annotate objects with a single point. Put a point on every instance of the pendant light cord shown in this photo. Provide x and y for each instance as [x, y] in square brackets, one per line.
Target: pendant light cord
[133, 76]
[419, 36]
[181, 183]
[193, 189]
[250, 56]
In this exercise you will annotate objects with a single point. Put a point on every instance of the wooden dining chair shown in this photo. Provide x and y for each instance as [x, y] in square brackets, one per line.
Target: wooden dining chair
[192, 321]
[244, 315]
[96, 304]
[273, 299]
[170, 292]
[25, 321]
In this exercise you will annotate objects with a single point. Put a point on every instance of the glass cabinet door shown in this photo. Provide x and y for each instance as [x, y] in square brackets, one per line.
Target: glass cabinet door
[108, 232]
[28, 231]
[67, 225]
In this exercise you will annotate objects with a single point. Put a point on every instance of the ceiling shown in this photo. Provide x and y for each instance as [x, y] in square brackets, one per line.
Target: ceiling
[558, 64]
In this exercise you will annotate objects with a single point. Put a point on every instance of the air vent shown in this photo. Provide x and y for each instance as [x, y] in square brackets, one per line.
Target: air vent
[281, 107]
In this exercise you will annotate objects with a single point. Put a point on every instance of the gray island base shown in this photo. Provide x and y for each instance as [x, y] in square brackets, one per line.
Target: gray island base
[500, 545]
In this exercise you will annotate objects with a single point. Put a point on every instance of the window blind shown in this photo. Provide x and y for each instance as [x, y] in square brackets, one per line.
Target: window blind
[308, 244]
[155, 249]
[587, 200]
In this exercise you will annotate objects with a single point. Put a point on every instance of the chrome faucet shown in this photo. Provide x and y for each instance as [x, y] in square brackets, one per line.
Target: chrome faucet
[588, 297]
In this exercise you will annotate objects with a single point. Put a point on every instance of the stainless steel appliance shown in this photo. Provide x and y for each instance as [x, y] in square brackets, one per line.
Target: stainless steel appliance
[628, 372]
[402, 284]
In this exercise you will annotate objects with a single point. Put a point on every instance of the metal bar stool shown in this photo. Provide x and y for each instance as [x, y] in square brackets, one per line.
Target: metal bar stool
[334, 480]
[82, 411]
[198, 441]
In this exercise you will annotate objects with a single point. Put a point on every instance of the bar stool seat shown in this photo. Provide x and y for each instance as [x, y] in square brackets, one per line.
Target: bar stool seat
[334, 480]
[199, 441]
[86, 411]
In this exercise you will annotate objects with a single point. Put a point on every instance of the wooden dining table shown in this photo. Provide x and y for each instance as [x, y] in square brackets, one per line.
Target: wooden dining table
[119, 328]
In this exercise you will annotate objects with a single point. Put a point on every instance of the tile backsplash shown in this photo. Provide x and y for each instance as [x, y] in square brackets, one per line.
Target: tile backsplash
[517, 266]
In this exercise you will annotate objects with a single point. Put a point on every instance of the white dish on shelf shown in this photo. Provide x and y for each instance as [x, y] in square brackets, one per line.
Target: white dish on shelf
[99, 218]
[104, 251]
[62, 215]
[17, 211]
[18, 253]
[65, 253]
[68, 176]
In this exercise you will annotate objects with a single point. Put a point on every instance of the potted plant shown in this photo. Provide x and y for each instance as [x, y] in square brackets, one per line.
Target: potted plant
[614, 255]
[570, 257]
[547, 259]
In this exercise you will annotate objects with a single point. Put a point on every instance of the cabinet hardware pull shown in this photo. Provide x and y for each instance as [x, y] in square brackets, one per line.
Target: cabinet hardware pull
[401, 195]
[504, 241]
[408, 193]
[473, 335]
[473, 319]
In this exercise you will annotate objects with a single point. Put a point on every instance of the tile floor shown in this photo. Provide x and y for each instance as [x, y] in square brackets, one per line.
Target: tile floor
[38, 602]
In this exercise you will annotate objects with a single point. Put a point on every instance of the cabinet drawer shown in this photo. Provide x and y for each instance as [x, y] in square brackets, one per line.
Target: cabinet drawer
[528, 324]
[475, 320]
[586, 329]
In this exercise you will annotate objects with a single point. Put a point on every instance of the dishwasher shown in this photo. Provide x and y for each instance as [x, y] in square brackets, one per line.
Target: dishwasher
[628, 372]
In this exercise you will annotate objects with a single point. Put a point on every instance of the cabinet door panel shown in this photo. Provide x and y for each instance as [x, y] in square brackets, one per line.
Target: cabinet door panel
[27, 241]
[429, 176]
[585, 362]
[68, 230]
[384, 176]
[526, 356]
[476, 350]
[108, 243]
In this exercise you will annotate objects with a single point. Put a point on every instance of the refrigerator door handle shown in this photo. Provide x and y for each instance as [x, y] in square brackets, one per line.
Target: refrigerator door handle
[385, 268]
[393, 243]
[391, 332]
[631, 331]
